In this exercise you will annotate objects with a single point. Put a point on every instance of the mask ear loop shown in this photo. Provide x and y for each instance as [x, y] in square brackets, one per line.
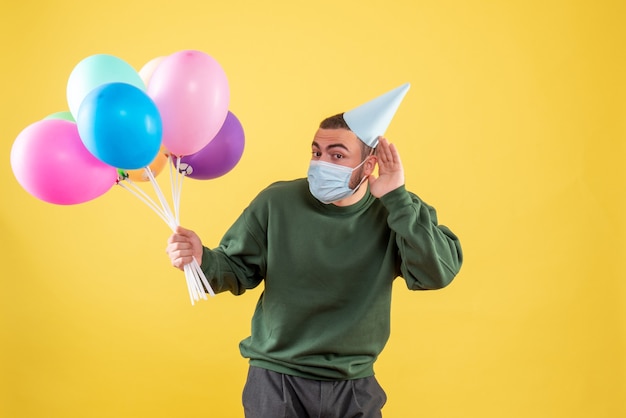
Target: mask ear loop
[364, 177]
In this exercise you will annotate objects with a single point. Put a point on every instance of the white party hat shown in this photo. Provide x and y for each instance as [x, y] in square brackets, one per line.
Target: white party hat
[371, 119]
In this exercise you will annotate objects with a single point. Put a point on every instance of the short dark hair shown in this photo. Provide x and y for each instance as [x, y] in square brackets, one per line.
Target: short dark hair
[334, 122]
[338, 122]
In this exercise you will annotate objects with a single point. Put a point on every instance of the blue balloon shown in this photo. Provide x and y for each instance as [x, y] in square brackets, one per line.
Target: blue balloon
[120, 125]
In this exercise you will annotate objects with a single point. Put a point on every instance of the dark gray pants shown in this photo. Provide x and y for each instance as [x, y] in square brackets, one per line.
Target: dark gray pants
[268, 394]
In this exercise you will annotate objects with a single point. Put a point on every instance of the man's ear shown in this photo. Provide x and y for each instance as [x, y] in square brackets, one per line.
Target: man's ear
[370, 164]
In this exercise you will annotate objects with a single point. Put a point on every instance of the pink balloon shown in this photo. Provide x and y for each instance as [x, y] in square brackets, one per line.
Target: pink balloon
[191, 92]
[51, 163]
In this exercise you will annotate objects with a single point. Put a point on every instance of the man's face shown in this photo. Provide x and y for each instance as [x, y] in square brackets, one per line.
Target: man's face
[339, 146]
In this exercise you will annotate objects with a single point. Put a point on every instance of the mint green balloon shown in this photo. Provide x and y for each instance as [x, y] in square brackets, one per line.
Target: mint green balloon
[95, 71]
[61, 115]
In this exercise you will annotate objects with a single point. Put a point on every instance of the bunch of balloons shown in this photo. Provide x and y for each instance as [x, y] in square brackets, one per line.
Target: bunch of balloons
[124, 125]
[121, 120]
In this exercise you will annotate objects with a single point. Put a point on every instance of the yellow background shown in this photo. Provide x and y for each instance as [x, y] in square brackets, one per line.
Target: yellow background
[514, 129]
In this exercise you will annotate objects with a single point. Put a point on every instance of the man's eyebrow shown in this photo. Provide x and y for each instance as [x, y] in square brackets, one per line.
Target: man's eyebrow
[338, 145]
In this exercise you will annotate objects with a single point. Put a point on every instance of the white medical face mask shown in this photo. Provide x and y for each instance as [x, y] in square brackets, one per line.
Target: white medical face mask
[331, 182]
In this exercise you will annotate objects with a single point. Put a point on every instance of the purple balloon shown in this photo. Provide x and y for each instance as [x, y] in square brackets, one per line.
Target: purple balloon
[220, 155]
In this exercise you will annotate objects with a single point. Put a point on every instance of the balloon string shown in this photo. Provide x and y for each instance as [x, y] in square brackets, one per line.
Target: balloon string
[190, 286]
[139, 190]
[176, 181]
[166, 208]
[179, 191]
[193, 284]
[174, 174]
[194, 276]
[147, 201]
[199, 286]
[200, 273]
[173, 179]
[196, 280]
[148, 198]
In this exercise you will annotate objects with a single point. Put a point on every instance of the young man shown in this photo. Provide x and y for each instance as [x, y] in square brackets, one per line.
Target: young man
[327, 248]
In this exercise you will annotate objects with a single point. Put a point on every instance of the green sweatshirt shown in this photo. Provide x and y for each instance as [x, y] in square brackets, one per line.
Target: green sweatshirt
[328, 271]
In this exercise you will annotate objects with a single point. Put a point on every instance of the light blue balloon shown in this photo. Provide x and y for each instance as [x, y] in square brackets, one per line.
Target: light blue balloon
[95, 71]
[120, 125]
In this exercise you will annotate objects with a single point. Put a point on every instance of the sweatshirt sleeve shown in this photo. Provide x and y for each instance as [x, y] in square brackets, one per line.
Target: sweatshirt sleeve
[238, 263]
[430, 254]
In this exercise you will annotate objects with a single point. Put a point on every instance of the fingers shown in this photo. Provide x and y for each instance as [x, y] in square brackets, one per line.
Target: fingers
[382, 150]
[181, 247]
[387, 153]
[390, 170]
[394, 154]
[178, 247]
[180, 254]
[184, 232]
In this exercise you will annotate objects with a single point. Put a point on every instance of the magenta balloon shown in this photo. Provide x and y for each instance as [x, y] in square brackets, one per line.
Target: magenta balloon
[220, 155]
[191, 92]
[51, 163]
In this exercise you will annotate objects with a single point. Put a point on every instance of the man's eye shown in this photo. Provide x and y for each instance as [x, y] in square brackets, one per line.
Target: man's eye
[338, 156]
[316, 153]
